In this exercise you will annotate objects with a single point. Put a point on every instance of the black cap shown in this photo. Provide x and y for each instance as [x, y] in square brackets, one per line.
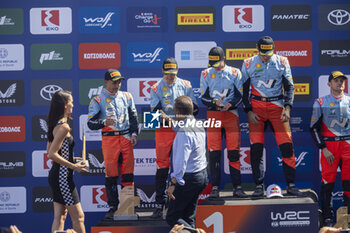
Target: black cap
[336, 74]
[216, 54]
[113, 74]
[170, 66]
[266, 46]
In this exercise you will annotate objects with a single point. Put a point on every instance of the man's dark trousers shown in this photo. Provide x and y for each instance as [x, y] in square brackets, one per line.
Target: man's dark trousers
[182, 210]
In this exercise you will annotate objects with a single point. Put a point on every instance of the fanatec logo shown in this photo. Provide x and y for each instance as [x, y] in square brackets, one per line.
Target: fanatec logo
[290, 17]
[51, 56]
[48, 91]
[339, 17]
[99, 21]
[147, 57]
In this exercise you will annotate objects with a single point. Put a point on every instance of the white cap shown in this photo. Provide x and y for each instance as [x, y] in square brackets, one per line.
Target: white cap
[274, 191]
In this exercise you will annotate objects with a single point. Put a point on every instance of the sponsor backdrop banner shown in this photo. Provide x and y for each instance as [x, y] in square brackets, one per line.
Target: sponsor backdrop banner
[46, 47]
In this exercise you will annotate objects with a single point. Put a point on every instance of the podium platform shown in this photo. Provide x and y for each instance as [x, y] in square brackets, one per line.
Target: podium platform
[226, 214]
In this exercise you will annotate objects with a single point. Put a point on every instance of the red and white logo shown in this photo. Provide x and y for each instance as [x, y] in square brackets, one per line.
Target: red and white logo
[41, 164]
[99, 55]
[12, 129]
[141, 89]
[323, 88]
[298, 52]
[94, 198]
[51, 20]
[244, 159]
[243, 18]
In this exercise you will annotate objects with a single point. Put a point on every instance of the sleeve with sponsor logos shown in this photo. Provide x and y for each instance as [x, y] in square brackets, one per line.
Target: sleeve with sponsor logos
[316, 124]
[246, 86]
[132, 115]
[155, 101]
[288, 84]
[191, 95]
[237, 91]
[94, 122]
[204, 89]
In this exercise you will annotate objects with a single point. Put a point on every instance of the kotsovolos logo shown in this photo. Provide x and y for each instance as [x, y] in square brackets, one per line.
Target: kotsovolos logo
[41, 164]
[147, 196]
[141, 89]
[99, 55]
[96, 163]
[193, 54]
[237, 51]
[323, 88]
[291, 17]
[244, 159]
[147, 19]
[42, 199]
[99, 20]
[89, 88]
[13, 200]
[12, 129]
[51, 56]
[12, 164]
[11, 57]
[303, 159]
[334, 17]
[146, 55]
[94, 198]
[145, 162]
[51, 20]
[334, 52]
[302, 88]
[39, 128]
[43, 90]
[243, 18]
[11, 21]
[195, 19]
[11, 93]
[298, 52]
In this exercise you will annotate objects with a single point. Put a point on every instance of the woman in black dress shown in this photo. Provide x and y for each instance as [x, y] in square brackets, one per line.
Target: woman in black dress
[60, 150]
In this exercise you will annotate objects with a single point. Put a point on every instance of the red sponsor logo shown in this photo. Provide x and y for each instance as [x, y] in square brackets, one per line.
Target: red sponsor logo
[50, 18]
[99, 195]
[47, 162]
[245, 153]
[145, 88]
[298, 52]
[243, 15]
[205, 193]
[99, 55]
[12, 129]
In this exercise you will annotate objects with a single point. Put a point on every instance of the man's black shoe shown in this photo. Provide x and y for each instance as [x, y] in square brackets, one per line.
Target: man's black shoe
[158, 213]
[238, 192]
[259, 191]
[110, 213]
[328, 222]
[214, 192]
[293, 190]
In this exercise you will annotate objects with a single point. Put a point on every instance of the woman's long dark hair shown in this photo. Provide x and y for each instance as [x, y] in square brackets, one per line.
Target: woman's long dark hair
[58, 102]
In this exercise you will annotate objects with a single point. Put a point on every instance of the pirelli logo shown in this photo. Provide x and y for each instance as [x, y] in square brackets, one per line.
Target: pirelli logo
[240, 54]
[195, 19]
[265, 46]
[170, 66]
[301, 88]
[115, 74]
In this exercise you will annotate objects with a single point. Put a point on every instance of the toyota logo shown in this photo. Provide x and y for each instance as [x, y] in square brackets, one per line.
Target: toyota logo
[48, 91]
[338, 17]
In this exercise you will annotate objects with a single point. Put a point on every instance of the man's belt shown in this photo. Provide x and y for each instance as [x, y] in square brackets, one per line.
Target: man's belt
[337, 138]
[266, 99]
[116, 133]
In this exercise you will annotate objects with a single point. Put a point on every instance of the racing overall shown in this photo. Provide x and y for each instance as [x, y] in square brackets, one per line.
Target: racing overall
[227, 85]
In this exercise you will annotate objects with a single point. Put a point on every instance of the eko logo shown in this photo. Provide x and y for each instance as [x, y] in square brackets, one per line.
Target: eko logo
[146, 55]
[141, 89]
[51, 20]
[99, 20]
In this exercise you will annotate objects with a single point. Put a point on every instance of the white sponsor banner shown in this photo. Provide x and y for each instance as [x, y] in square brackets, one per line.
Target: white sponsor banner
[244, 159]
[140, 89]
[94, 198]
[41, 164]
[13, 200]
[324, 89]
[145, 162]
[193, 54]
[11, 57]
[90, 135]
[243, 18]
[51, 20]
